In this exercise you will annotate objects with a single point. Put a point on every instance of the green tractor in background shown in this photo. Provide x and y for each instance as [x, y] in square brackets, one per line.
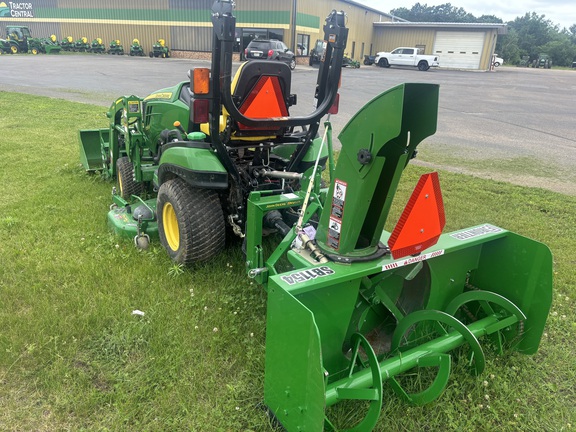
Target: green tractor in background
[350, 306]
[20, 40]
[136, 48]
[543, 61]
[50, 45]
[350, 62]
[81, 45]
[97, 46]
[5, 47]
[116, 48]
[67, 44]
[159, 49]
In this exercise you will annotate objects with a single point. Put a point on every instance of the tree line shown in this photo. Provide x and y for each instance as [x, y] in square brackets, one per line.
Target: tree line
[528, 36]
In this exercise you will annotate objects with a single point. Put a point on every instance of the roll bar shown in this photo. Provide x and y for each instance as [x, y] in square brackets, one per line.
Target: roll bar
[224, 34]
[336, 35]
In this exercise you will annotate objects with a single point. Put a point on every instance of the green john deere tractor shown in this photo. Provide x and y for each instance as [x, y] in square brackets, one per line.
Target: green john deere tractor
[19, 40]
[543, 61]
[136, 48]
[350, 306]
[50, 45]
[116, 47]
[5, 47]
[159, 49]
[67, 44]
[81, 45]
[97, 46]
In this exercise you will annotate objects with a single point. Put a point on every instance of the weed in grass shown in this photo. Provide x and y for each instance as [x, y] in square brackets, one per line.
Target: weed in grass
[176, 270]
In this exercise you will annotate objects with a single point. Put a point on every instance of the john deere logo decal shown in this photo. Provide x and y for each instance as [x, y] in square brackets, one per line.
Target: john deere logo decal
[4, 10]
[16, 10]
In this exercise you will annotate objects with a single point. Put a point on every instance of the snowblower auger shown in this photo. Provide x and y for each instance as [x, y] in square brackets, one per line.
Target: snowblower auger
[362, 306]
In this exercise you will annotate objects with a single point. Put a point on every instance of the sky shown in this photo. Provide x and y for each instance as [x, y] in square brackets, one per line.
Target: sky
[560, 12]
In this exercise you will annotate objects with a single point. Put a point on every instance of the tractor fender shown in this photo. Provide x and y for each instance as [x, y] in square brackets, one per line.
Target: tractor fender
[195, 163]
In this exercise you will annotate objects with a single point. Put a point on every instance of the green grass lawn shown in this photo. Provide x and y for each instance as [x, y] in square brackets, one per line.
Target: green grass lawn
[73, 356]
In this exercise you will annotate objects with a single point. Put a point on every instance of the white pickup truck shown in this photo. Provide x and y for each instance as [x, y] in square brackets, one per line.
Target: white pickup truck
[407, 56]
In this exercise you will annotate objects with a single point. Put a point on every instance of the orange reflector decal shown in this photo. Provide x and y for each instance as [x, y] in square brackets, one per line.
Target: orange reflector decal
[265, 100]
[422, 220]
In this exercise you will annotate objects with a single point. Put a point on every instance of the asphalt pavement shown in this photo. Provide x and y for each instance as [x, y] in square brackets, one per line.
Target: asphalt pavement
[513, 124]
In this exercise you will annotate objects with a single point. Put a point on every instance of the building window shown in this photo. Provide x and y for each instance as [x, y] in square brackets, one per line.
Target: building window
[276, 34]
[302, 44]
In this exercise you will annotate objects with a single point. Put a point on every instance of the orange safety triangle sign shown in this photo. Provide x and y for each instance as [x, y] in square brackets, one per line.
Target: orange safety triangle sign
[422, 220]
[265, 100]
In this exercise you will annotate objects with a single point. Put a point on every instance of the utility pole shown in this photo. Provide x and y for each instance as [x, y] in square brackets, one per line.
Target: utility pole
[293, 26]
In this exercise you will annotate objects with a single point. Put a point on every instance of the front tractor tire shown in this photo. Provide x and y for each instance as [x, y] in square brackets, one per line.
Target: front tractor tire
[190, 222]
[126, 183]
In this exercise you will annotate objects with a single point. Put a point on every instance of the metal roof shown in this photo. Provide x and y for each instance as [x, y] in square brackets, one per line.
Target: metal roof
[502, 28]
[363, 6]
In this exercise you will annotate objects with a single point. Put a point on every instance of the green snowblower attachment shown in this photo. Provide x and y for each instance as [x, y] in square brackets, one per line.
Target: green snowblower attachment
[361, 307]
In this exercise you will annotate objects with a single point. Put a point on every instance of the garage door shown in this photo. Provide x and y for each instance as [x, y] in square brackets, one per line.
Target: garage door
[461, 50]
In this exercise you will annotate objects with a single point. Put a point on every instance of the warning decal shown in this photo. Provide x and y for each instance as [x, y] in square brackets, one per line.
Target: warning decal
[336, 214]
[412, 260]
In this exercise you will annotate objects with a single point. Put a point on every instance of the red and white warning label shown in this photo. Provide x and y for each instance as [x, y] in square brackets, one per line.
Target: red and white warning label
[337, 213]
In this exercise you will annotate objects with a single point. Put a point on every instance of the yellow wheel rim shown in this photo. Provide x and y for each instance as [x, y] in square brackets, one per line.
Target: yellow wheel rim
[34, 51]
[14, 49]
[171, 230]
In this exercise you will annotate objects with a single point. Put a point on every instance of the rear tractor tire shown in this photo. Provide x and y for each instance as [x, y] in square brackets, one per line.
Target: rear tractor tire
[190, 222]
[126, 183]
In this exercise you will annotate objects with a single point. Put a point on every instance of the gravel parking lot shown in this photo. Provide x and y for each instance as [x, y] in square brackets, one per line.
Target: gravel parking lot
[513, 124]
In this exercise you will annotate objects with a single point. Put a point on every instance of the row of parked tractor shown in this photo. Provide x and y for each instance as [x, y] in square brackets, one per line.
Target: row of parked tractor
[97, 46]
[20, 40]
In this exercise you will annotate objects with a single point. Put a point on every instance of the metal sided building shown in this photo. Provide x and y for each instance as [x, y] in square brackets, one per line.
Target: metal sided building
[185, 24]
[459, 45]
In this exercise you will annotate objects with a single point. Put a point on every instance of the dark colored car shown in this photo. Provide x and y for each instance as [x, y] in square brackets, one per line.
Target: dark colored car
[270, 49]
